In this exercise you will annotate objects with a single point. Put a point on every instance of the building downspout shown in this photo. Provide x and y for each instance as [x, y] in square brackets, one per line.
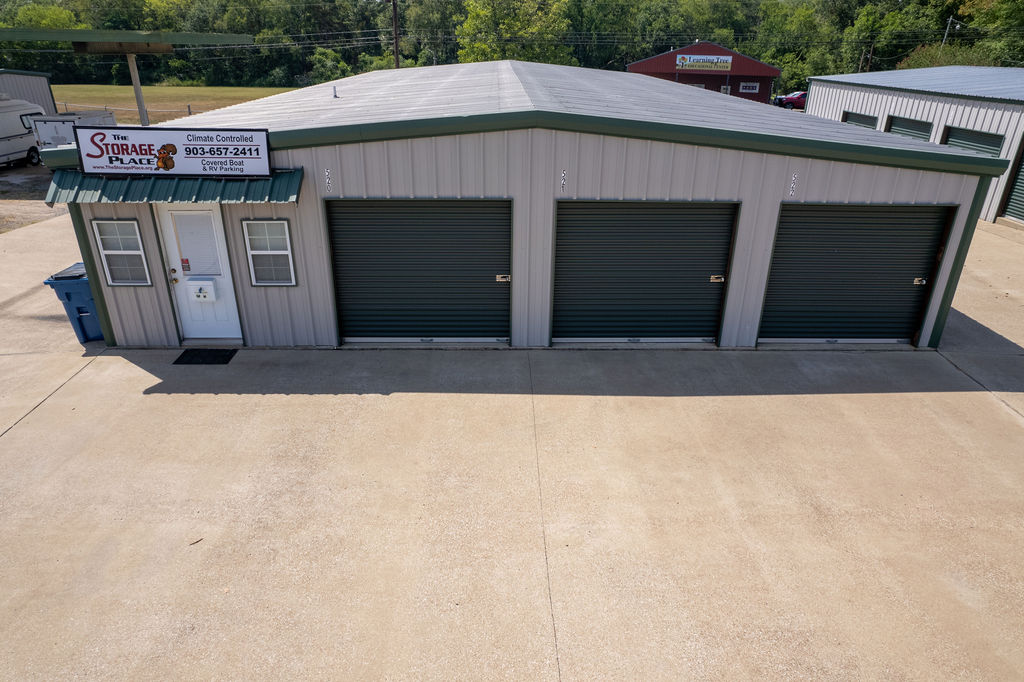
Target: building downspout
[958, 261]
[95, 287]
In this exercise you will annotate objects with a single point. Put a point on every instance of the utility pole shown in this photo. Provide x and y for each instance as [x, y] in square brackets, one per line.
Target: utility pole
[394, 24]
[950, 23]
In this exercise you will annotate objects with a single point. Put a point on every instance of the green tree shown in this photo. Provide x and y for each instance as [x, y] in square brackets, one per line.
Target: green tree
[327, 65]
[529, 30]
[1001, 25]
[431, 26]
[952, 54]
[34, 56]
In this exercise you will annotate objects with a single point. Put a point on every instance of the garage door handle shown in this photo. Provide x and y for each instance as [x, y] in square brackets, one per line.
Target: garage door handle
[920, 281]
[717, 279]
[503, 278]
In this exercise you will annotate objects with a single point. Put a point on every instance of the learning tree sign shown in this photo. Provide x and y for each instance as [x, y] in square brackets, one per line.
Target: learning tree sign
[703, 62]
[173, 151]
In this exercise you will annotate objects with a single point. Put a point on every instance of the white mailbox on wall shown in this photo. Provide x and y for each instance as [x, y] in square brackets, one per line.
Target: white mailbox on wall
[202, 290]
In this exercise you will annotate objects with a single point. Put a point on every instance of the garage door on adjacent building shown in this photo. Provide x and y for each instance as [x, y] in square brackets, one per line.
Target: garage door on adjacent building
[421, 270]
[975, 140]
[635, 270]
[852, 272]
[921, 130]
[1015, 197]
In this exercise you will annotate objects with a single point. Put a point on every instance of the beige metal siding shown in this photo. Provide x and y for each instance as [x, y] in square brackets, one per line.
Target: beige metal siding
[35, 89]
[140, 316]
[281, 315]
[527, 167]
[830, 100]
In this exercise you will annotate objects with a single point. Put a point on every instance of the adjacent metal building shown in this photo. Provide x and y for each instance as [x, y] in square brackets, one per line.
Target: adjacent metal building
[712, 67]
[532, 204]
[30, 86]
[972, 107]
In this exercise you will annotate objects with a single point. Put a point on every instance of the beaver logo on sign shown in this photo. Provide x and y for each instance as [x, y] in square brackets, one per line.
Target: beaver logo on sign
[165, 157]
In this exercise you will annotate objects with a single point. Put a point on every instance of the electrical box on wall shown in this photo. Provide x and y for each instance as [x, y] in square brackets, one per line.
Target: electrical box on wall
[202, 290]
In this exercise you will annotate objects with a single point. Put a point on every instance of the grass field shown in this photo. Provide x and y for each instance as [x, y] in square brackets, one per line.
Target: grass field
[163, 103]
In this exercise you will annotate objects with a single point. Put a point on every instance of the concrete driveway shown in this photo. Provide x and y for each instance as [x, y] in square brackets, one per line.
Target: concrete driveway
[651, 514]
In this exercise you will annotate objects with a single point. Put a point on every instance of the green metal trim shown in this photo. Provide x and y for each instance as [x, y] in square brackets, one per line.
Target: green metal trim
[958, 261]
[95, 285]
[60, 157]
[67, 157]
[892, 88]
[91, 36]
[664, 132]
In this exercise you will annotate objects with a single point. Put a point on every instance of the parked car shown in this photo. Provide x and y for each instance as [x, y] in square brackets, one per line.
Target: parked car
[794, 100]
[17, 142]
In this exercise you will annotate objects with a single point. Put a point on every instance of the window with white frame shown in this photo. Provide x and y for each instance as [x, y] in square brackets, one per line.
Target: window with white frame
[120, 244]
[270, 252]
[726, 89]
[750, 87]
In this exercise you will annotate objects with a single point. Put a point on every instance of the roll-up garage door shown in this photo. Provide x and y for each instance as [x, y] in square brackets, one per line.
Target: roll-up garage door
[630, 270]
[852, 272]
[975, 140]
[922, 130]
[1015, 197]
[421, 269]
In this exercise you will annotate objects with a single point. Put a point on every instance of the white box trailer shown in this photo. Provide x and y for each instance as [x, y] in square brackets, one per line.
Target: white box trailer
[17, 142]
[59, 129]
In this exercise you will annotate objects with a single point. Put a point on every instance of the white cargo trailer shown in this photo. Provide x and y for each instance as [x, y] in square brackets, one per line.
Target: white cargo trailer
[17, 143]
[59, 129]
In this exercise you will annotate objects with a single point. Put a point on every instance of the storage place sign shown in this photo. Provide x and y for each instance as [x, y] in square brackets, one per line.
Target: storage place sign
[172, 151]
[703, 62]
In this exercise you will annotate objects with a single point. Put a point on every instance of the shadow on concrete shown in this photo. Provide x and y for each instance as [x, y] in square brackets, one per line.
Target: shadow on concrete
[641, 372]
[966, 334]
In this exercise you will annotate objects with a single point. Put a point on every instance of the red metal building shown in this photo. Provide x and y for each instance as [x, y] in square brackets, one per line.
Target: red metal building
[713, 67]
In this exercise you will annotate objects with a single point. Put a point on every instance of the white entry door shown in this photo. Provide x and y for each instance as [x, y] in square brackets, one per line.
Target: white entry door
[199, 272]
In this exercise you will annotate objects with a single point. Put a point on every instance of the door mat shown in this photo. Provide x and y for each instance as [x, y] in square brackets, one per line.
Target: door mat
[206, 356]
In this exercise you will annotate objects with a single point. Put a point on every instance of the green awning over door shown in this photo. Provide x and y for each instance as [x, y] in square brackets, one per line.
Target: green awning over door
[75, 187]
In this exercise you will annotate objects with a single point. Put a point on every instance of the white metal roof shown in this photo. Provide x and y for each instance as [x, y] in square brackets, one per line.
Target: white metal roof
[976, 82]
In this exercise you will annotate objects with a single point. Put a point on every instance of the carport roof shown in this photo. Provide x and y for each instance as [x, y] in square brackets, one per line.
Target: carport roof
[490, 96]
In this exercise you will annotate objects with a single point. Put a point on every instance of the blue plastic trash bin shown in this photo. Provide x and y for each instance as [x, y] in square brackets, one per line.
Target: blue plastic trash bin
[72, 288]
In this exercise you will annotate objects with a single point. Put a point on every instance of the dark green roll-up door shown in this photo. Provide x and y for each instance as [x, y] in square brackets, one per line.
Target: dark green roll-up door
[1015, 198]
[852, 272]
[421, 269]
[862, 120]
[922, 130]
[635, 270]
[976, 141]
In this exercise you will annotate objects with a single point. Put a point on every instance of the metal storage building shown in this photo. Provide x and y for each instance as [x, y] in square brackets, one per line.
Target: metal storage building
[528, 204]
[712, 67]
[30, 86]
[972, 107]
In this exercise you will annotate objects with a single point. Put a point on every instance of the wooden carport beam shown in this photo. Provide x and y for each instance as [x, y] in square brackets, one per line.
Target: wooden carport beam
[129, 50]
[137, 86]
